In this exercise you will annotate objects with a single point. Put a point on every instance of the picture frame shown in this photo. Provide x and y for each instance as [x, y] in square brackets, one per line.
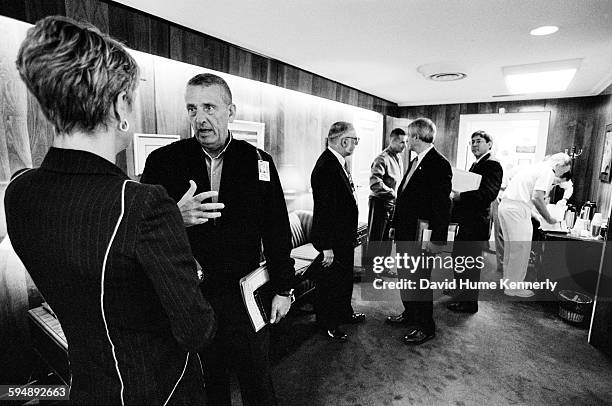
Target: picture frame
[605, 173]
[144, 144]
[249, 131]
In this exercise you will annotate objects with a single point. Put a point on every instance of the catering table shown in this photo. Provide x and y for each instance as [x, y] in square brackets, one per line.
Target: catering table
[571, 261]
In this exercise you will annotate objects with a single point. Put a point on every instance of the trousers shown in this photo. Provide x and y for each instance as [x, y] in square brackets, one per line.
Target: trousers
[517, 230]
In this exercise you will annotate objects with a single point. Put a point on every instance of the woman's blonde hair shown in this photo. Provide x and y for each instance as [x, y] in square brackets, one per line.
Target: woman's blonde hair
[75, 72]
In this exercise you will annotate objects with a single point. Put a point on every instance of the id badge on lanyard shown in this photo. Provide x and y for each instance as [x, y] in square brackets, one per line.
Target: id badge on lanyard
[264, 168]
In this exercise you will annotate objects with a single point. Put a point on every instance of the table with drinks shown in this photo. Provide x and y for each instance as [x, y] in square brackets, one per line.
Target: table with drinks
[570, 252]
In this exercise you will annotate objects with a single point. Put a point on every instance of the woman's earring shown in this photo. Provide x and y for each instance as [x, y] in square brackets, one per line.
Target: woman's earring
[124, 126]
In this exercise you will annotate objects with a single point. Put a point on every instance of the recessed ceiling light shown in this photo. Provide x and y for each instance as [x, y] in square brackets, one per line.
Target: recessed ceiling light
[541, 77]
[540, 82]
[544, 30]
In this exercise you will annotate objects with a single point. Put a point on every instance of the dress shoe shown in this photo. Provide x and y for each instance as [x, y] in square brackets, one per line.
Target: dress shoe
[417, 336]
[336, 334]
[519, 292]
[399, 319]
[356, 318]
[463, 307]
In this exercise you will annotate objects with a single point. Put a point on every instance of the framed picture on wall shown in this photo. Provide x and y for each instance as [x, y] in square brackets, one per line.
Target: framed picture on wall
[605, 174]
[144, 144]
[250, 131]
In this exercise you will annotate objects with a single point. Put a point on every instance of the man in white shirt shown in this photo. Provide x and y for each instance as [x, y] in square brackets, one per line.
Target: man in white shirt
[526, 190]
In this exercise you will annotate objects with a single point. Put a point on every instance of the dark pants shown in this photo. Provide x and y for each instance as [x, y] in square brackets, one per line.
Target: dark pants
[236, 346]
[379, 219]
[418, 303]
[379, 222]
[334, 288]
[468, 243]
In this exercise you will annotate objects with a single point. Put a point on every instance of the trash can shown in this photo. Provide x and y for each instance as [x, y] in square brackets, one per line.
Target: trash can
[574, 307]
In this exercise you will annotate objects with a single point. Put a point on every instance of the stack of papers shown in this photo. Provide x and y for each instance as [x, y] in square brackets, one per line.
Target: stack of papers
[464, 181]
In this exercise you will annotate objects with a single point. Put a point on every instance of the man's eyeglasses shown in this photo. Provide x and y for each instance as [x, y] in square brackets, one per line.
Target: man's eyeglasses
[355, 139]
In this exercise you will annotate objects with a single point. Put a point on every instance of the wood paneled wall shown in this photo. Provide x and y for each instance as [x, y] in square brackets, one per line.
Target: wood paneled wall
[153, 35]
[296, 125]
[19, 135]
[573, 121]
[600, 190]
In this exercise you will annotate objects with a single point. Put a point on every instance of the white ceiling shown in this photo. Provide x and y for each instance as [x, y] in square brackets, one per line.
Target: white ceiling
[376, 45]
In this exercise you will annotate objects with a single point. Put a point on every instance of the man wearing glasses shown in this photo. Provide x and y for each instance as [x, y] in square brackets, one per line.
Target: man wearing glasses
[334, 230]
[471, 210]
[243, 183]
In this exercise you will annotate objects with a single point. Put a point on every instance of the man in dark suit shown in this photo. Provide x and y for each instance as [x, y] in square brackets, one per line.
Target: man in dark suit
[424, 194]
[472, 211]
[229, 247]
[334, 229]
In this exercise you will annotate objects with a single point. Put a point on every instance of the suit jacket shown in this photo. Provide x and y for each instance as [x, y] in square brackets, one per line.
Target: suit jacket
[426, 197]
[113, 261]
[334, 223]
[255, 212]
[472, 210]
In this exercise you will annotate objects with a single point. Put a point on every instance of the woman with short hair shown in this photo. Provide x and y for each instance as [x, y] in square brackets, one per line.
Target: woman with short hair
[110, 255]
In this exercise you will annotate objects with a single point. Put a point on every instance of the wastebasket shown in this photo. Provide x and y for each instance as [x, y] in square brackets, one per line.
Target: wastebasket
[574, 306]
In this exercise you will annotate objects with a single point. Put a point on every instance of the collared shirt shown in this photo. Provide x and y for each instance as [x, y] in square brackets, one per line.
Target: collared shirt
[386, 175]
[345, 167]
[481, 157]
[214, 167]
[422, 154]
[521, 186]
[340, 159]
[414, 165]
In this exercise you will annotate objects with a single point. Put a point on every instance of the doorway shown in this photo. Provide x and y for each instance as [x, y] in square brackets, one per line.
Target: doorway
[369, 129]
[519, 139]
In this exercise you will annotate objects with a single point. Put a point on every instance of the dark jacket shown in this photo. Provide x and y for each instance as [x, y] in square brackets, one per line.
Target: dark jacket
[334, 223]
[255, 212]
[472, 211]
[425, 197]
[140, 295]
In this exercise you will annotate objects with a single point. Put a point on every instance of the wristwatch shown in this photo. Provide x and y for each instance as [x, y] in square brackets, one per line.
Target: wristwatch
[288, 293]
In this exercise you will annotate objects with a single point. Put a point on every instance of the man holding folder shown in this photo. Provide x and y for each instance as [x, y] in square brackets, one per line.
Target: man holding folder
[422, 195]
[242, 180]
[472, 212]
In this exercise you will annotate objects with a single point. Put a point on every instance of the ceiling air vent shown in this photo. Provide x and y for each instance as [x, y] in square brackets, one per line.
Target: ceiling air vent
[442, 72]
[447, 76]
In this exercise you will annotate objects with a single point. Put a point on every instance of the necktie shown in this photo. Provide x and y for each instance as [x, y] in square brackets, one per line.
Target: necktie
[350, 178]
[472, 167]
[413, 166]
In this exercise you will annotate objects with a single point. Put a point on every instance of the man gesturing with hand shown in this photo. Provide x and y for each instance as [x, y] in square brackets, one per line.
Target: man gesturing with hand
[192, 209]
[213, 171]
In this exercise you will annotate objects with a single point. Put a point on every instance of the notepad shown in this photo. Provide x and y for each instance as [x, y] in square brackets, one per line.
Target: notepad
[464, 181]
[256, 296]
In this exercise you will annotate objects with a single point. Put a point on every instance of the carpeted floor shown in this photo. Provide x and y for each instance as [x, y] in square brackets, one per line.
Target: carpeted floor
[509, 353]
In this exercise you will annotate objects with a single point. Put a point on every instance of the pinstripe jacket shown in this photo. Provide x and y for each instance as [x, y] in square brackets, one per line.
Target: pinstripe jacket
[112, 258]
